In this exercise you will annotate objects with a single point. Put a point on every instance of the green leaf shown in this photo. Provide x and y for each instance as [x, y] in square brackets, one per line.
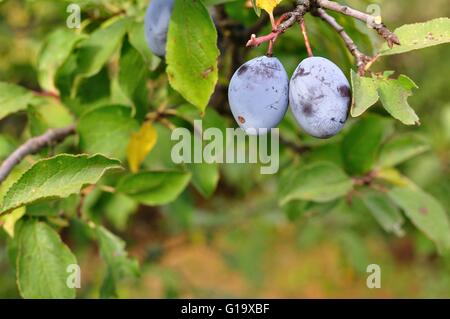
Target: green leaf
[136, 36]
[355, 250]
[319, 182]
[42, 262]
[132, 78]
[420, 35]
[205, 177]
[112, 250]
[12, 178]
[92, 93]
[13, 98]
[56, 177]
[426, 213]
[192, 52]
[402, 148]
[362, 142]
[118, 210]
[295, 209]
[9, 221]
[96, 50]
[46, 115]
[388, 73]
[385, 212]
[107, 130]
[154, 188]
[394, 96]
[7, 146]
[55, 51]
[364, 93]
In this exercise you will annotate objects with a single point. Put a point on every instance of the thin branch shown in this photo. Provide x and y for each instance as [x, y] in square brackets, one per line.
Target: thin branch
[304, 6]
[289, 20]
[235, 31]
[305, 36]
[286, 21]
[256, 41]
[382, 30]
[32, 146]
[262, 22]
[361, 59]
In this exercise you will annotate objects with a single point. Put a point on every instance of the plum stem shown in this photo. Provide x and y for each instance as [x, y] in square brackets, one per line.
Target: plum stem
[270, 48]
[305, 36]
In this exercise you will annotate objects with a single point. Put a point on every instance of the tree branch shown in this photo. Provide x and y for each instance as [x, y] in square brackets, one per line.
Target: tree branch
[289, 19]
[286, 21]
[303, 6]
[361, 59]
[382, 30]
[32, 146]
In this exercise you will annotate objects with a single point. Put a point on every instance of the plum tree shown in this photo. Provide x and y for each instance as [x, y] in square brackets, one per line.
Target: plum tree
[319, 95]
[258, 94]
[157, 19]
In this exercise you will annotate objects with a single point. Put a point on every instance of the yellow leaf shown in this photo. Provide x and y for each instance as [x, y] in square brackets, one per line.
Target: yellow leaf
[9, 221]
[140, 145]
[394, 177]
[267, 5]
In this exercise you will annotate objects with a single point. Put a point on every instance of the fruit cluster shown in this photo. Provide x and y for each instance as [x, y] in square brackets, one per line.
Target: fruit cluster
[318, 92]
[260, 91]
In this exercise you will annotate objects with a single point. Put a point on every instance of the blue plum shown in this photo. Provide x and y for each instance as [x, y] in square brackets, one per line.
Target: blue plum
[258, 94]
[157, 19]
[320, 97]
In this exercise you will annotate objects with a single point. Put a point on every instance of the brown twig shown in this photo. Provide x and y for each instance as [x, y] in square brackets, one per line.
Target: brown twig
[83, 194]
[382, 30]
[288, 19]
[317, 6]
[280, 27]
[361, 59]
[256, 41]
[365, 180]
[32, 146]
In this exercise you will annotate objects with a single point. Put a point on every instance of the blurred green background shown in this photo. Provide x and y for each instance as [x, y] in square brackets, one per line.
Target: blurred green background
[240, 243]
